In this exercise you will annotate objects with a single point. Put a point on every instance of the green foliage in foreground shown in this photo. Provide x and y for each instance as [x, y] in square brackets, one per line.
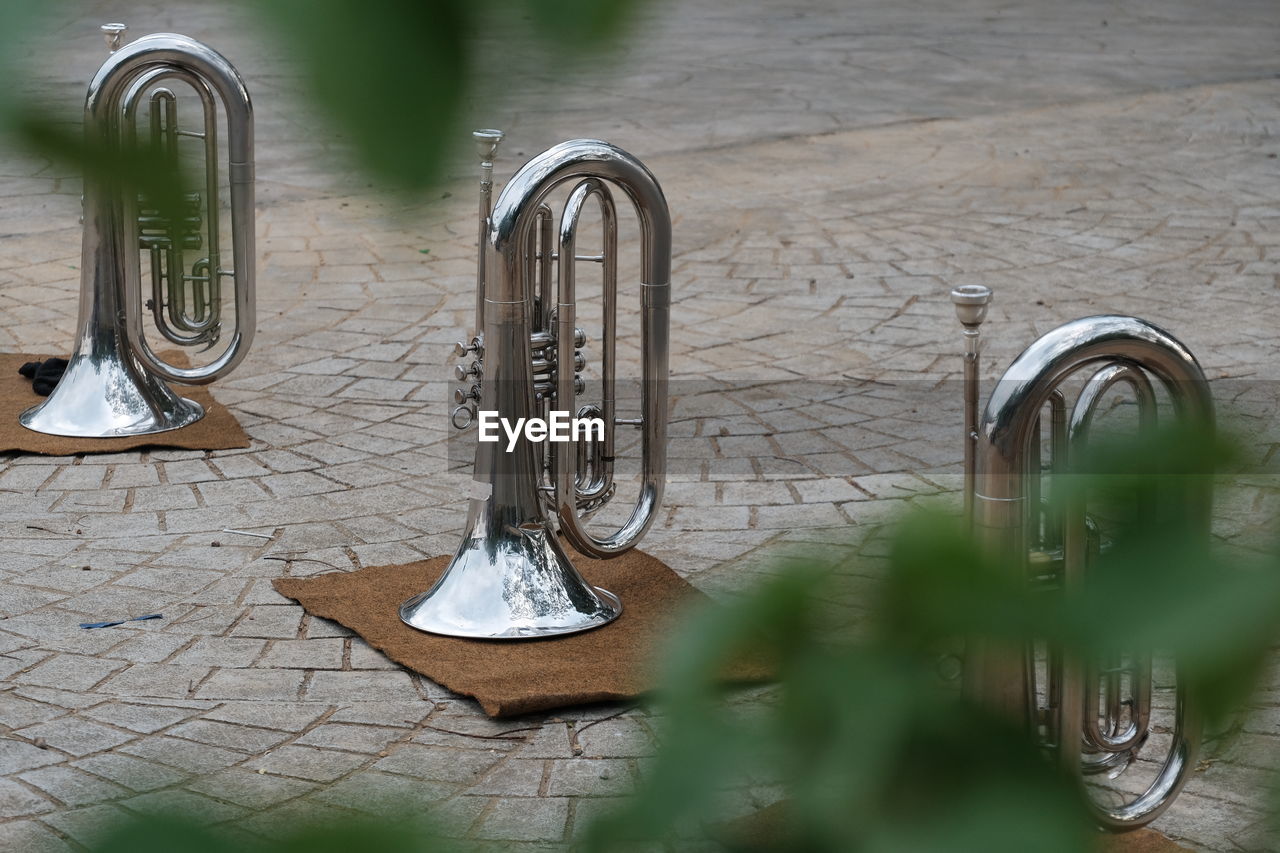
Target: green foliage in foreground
[868, 749]
[394, 76]
[391, 77]
[861, 743]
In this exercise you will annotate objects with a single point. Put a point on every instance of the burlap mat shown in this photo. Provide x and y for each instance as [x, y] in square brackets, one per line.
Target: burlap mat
[1142, 841]
[510, 677]
[217, 430]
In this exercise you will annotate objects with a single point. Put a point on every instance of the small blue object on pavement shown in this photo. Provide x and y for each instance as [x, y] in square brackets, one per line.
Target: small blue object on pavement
[122, 621]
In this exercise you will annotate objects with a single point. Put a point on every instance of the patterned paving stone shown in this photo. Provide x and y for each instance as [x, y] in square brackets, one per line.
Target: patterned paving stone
[17, 800]
[18, 755]
[73, 787]
[30, 835]
[75, 736]
[514, 819]
[832, 176]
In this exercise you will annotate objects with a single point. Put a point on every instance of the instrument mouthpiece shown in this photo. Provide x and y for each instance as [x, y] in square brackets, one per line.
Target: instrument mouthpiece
[487, 142]
[114, 35]
[971, 301]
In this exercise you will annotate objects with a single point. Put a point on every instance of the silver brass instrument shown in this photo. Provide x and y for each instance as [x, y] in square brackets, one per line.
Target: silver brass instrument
[510, 577]
[114, 384]
[1096, 715]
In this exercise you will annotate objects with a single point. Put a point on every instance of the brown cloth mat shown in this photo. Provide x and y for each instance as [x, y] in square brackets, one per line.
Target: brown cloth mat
[510, 677]
[1141, 841]
[762, 830]
[217, 430]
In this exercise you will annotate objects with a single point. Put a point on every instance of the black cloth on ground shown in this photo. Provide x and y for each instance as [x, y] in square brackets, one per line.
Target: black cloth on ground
[44, 375]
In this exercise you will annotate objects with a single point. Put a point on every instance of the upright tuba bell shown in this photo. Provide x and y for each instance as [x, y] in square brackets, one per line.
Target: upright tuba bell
[114, 384]
[511, 578]
[1096, 715]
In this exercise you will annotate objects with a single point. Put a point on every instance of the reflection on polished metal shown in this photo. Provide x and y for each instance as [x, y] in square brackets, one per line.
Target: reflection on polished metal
[511, 578]
[115, 384]
[1095, 714]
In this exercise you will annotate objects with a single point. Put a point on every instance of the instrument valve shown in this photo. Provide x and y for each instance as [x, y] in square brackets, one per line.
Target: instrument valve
[464, 372]
[461, 349]
[579, 360]
[579, 336]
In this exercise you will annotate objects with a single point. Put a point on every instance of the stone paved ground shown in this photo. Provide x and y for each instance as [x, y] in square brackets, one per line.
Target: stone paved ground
[832, 174]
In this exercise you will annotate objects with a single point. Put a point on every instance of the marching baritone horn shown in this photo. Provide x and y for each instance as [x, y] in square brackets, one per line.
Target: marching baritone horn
[1096, 715]
[115, 384]
[511, 578]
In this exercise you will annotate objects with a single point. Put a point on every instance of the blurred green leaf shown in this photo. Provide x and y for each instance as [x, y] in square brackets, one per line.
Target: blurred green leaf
[585, 26]
[861, 737]
[870, 750]
[127, 169]
[391, 75]
[394, 76]
[164, 834]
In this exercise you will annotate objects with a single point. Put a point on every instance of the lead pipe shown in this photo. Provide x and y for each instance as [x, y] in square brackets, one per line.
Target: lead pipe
[971, 301]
